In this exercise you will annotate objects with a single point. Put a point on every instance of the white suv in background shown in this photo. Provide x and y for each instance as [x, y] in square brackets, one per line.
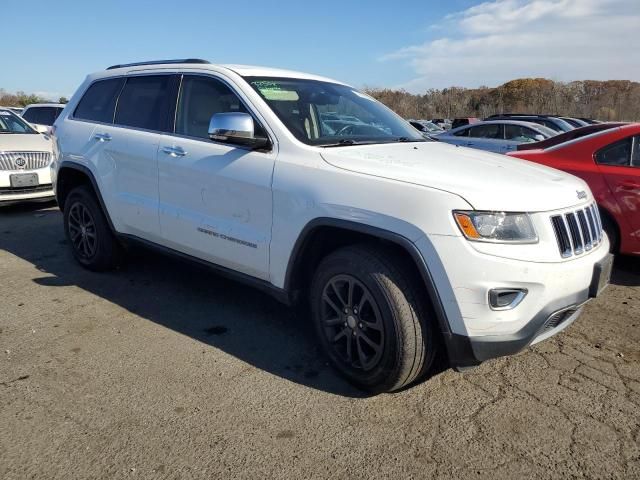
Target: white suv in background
[42, 115]
[24, 161]
[315, 192]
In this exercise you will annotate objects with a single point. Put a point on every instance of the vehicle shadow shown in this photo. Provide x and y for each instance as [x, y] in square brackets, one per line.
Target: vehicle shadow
[181, 296]
[626, 271]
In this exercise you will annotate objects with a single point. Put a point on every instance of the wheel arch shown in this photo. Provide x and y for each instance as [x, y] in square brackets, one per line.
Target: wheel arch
[71, 175]
[609, 217]
[323, 235]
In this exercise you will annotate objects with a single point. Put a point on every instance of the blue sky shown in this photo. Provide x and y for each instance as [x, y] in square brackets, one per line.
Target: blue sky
[407, 44]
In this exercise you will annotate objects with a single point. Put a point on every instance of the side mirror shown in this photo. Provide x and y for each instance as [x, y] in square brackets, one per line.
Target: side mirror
[236, 128]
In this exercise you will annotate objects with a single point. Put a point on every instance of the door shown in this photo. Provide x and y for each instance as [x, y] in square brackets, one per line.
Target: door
[215, 198]
[620, 165]
[129, 152]
[514, 135]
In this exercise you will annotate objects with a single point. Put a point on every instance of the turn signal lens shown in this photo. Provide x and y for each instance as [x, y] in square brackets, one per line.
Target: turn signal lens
[466, 225]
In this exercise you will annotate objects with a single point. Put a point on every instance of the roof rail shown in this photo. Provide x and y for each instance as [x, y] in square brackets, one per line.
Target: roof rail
[159, 62]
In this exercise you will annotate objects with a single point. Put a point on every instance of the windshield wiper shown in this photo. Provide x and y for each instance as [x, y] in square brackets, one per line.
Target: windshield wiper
[407, 139]
[343, 143]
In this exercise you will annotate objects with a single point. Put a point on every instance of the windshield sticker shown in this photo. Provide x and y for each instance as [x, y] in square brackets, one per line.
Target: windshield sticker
[273, 91]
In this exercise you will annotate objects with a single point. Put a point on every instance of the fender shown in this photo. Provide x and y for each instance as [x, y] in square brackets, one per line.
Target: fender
[89, 174]
[458, 348]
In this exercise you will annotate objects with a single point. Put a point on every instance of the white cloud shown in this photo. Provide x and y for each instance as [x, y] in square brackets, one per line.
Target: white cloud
[500, 40]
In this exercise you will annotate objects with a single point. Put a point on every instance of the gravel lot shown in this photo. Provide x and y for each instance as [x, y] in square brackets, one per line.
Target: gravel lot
[164, 370]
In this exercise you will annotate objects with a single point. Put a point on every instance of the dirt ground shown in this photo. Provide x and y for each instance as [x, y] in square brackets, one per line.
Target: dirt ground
[165, 370]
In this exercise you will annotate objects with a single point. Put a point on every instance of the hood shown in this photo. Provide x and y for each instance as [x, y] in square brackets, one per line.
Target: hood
[486, 180]
[25, 142]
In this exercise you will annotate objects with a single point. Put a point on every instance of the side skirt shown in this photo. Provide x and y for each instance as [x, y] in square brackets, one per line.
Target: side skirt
[279, 294]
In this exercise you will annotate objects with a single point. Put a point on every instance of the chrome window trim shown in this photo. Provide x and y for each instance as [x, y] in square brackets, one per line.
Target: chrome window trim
[214, 75]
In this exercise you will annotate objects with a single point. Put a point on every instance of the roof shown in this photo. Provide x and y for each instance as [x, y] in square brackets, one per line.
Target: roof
[242, 70]
[61, 105]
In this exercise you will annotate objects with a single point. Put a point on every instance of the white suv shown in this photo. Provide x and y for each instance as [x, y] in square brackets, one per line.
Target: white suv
[314, 191]
[24, 161]
[42, 115]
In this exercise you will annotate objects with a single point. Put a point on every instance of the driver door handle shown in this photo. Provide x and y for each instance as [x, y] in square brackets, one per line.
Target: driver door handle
[174, 151]
[103, 137]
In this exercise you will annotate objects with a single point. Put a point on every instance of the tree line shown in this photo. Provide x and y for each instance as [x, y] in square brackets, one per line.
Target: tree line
[22, 99]
[604, 100]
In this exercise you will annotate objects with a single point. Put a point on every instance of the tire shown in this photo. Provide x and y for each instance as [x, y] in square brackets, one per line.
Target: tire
[87, 230]
[611, 229]
[399, 345]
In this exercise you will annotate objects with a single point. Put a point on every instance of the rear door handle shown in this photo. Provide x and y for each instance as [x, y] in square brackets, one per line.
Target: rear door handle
[103, 137]
[174, 151]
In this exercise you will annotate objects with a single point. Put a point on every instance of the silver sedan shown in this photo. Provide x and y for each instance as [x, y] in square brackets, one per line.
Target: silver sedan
[498, 136]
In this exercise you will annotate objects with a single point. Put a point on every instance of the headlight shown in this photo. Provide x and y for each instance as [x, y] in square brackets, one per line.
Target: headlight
[498, 227]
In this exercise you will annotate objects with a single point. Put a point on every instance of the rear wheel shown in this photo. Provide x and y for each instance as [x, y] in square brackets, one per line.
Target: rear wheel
[369, 319]
[92, 242]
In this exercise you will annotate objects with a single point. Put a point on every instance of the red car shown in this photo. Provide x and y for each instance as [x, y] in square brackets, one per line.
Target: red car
[609, 161]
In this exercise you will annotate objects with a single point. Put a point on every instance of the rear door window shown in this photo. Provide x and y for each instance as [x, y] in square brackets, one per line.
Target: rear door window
[617, 154]
[144, 103]
[486, 131]
[99, 102]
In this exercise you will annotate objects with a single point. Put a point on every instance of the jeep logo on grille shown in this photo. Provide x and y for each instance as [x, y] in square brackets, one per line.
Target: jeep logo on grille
[581, 194]
[20, 162]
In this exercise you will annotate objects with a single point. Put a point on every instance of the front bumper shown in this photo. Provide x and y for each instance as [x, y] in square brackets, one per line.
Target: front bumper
[41, 192]
[471, 351]
[463, 276]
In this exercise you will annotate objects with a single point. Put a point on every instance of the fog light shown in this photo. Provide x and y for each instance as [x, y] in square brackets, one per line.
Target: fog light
[506, 298]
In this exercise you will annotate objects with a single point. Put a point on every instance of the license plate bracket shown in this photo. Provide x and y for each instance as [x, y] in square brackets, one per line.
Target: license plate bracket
[601, 276]
[21, 180]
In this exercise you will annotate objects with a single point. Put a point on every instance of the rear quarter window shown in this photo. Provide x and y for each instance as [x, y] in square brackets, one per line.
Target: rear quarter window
[616, 154]
[98, 104]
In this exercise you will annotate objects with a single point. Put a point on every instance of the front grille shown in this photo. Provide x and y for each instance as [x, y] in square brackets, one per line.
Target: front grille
[578, 231]
[23, 190]
[16, 161]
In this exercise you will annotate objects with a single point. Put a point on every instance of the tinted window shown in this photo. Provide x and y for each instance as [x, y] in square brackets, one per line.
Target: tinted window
[635, 156]
[42, 115]
[200, 98]
[144, 103]
[99, 101]
[462, 133]
[617, 154]
[485, 131]
[519, 133]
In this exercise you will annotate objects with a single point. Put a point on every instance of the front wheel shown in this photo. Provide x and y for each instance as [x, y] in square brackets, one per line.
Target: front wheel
[370, 319]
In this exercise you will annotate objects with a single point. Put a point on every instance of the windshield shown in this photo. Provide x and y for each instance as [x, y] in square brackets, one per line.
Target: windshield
[327, 114]
[11, 123]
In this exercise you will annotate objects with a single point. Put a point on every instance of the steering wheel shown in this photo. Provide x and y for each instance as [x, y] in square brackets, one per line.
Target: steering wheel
[346, 130]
